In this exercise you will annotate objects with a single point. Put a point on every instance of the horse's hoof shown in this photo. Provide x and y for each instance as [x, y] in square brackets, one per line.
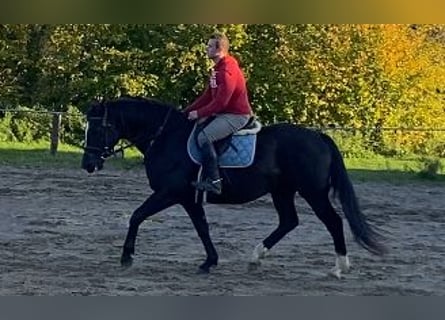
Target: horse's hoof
[253, 266]
[336, 273]
[205, 267]
[126, 261]
[203, 270]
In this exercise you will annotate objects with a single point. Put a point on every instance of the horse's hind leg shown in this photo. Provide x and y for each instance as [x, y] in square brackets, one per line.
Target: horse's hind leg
[322, 207]
[288, 220]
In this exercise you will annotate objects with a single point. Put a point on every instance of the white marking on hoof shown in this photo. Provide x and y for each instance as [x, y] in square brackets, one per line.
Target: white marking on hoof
[342, 265]
[335, 273]
[259, 253]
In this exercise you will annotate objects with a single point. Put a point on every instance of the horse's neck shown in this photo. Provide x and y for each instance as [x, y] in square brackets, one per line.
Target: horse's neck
[176, 129]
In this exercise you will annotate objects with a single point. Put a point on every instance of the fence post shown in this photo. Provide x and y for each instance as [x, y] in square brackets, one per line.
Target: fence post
[55, 132]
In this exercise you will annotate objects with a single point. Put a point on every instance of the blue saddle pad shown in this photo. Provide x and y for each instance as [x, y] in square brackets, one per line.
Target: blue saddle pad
[239, 154]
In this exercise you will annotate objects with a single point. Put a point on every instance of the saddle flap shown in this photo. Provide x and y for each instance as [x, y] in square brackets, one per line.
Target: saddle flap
[235, 151]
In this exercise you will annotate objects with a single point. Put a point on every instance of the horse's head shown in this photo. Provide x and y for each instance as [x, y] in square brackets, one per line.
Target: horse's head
[101, 135]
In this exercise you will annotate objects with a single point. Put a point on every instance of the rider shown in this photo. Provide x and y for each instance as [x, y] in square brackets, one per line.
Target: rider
[226, 99]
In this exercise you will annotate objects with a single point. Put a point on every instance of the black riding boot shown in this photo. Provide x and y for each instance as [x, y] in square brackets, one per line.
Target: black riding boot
[211, 180]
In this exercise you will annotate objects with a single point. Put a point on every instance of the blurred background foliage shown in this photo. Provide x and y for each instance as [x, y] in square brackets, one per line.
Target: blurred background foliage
[374, 80]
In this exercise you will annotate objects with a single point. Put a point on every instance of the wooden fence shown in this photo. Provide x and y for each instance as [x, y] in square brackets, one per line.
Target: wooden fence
[57, 118]
[55, 125]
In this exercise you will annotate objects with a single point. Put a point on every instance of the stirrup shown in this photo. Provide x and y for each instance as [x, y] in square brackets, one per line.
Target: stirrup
[209, 185]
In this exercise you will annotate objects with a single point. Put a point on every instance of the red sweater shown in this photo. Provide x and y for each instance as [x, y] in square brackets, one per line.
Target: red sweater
[226, 92]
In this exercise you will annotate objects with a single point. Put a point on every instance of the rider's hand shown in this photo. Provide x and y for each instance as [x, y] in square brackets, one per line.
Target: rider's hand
[193, 115]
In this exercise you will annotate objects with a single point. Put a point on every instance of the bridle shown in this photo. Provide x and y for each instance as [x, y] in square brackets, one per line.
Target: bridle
[108, 151]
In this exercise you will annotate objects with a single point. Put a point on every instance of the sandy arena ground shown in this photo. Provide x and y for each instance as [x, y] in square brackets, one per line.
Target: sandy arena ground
[61, 233]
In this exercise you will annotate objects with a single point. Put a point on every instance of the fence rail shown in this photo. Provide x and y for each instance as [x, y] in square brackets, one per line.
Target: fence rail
[57, 118]
[40, 111]
[56, 124]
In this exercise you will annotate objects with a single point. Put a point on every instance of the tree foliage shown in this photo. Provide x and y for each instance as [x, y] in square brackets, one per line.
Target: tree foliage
[356, 76]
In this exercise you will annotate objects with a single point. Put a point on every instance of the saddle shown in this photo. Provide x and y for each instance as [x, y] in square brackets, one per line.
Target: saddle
[251, 127]
[235, 151]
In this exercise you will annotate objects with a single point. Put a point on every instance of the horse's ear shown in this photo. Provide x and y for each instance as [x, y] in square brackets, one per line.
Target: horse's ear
[95, 104]
[95, 108]
[103, 100]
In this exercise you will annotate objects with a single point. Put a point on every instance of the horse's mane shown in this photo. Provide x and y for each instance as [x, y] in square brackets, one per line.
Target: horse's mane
[150, 109]
[151, 101]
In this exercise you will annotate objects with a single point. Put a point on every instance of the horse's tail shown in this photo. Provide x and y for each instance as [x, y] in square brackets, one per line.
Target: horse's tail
[343, 190]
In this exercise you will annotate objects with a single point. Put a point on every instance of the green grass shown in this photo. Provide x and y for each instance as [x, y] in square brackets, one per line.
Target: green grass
[396, 170]
[38, 155]
[376, 168]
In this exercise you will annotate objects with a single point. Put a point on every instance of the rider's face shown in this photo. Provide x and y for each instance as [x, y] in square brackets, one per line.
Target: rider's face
[213, 51]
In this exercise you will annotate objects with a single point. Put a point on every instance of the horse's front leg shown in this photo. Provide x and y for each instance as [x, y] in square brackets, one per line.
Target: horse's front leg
[197, 215]
[155, 203]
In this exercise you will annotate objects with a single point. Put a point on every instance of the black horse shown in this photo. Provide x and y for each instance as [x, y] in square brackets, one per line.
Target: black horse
[288, 159]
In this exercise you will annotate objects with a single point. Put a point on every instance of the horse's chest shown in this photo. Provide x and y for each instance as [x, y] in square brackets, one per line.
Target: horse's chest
[160, 173]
